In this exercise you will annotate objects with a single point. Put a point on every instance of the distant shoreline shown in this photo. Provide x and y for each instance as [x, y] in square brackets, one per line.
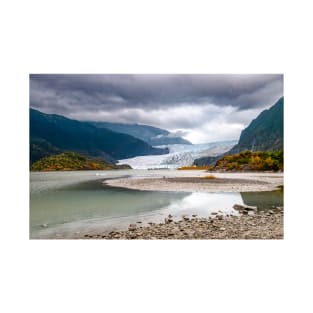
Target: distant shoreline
[189, 181]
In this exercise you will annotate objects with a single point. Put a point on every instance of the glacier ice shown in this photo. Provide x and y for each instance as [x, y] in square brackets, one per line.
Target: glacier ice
[179, 155]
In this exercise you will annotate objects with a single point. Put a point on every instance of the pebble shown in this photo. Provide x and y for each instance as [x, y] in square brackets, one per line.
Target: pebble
[269, 226]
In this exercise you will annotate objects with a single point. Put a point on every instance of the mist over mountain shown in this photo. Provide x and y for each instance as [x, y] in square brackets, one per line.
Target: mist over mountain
[152, 135]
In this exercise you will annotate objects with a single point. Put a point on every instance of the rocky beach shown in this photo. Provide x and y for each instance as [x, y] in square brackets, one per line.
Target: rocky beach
[250, 224]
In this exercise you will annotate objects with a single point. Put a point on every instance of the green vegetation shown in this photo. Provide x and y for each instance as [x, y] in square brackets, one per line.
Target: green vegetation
[252, 161]
[40, 148]
[71, 161]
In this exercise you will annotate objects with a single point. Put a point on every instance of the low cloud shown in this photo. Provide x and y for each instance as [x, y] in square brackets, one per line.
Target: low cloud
[199, 108]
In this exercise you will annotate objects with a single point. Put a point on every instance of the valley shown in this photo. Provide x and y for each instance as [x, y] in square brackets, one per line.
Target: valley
[130, 172]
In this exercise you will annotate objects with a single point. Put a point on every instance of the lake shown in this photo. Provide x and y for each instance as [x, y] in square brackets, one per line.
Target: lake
[65, 204]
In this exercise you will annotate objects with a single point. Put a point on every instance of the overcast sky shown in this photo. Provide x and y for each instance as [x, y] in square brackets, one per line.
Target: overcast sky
[201, 108]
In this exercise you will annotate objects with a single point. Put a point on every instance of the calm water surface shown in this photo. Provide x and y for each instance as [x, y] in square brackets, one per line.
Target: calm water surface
[67, 203]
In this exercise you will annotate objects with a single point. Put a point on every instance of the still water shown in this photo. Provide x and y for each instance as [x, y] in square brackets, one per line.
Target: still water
[67, 203]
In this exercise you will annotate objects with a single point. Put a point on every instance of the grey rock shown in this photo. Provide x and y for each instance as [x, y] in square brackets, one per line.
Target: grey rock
[168, 220]
[239, 207]
[132, 227]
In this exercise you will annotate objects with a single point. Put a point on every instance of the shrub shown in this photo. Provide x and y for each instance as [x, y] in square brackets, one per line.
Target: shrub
[209, 177]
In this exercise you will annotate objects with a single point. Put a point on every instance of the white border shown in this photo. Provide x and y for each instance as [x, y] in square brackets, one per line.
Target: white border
[155, 37]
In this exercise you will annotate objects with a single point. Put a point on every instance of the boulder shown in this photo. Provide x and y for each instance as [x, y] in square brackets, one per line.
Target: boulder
[186, 218]
[239, 207]
[168, 220]
[132, 227]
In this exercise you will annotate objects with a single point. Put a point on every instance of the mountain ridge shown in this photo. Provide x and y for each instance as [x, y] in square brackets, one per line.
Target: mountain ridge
[154, 136]
[264, 133]
[51, 133]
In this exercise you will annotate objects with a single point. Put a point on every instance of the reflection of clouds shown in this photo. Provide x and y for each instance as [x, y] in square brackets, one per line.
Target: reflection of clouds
[203, 204]
[263, 200]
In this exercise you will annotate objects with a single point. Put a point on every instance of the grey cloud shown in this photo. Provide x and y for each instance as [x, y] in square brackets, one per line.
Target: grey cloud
[66, 93]
[198, 107]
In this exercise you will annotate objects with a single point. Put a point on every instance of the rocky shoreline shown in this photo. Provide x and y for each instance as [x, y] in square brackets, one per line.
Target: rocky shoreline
[249, 224]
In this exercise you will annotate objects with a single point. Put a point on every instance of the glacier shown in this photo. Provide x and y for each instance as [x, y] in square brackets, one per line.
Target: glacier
[179, 155]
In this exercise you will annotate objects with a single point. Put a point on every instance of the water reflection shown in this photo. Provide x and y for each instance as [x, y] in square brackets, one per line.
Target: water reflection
[203, 204]
[69, 202]
[90, 200]
[263, 200]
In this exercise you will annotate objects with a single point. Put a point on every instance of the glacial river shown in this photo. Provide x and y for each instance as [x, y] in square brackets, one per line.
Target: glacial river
[66, 204]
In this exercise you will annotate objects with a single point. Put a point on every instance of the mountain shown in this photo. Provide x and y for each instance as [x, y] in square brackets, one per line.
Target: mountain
[264, 133]
[40, 148]
[51, 134]
[71, 161]
[152, 135]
